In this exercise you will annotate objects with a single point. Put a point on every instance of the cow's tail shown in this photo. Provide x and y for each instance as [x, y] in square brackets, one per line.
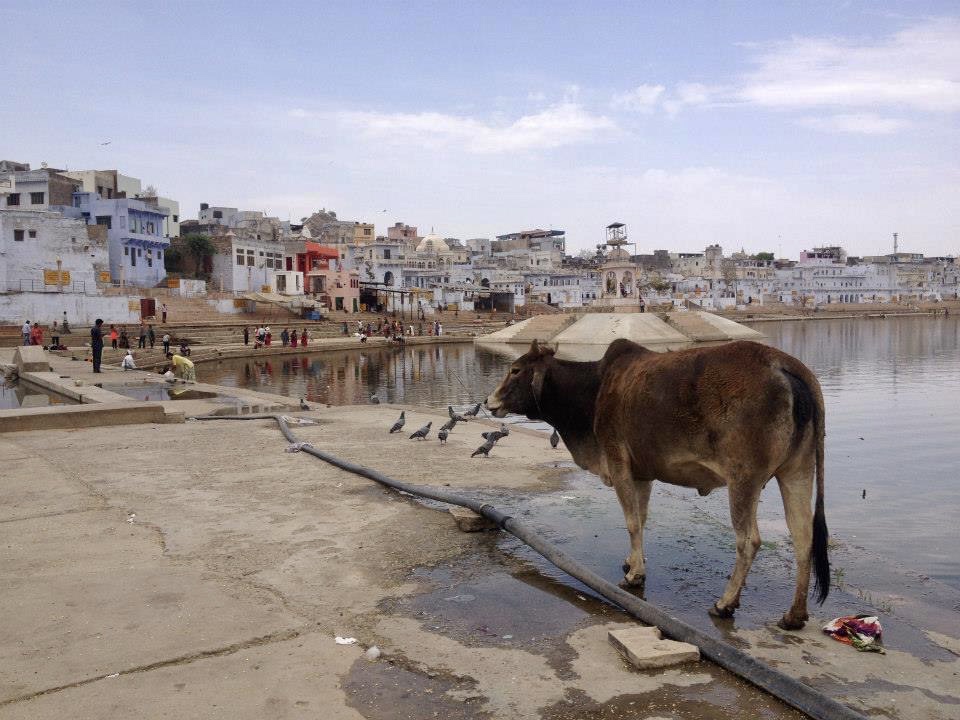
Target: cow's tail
[818, 550]
[808, 409]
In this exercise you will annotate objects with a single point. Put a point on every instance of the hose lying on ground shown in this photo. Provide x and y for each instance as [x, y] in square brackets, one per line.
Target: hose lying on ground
[789, 690]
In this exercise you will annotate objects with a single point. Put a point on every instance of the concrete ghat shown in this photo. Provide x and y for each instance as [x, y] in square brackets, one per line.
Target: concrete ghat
[60, 417]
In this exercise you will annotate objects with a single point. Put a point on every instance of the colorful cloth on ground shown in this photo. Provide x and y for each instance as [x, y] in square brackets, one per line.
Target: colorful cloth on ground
[864, 632]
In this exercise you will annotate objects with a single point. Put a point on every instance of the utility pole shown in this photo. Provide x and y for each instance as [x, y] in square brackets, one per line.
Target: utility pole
[895, 244]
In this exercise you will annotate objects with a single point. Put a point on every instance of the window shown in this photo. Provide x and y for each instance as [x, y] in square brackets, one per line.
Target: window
[367, 231]
[18, 235]
[105, 220]
[176, 218]
[36, 198]
[31, 233]
[133, 225]
[239, 257]
[386, 254]
[13, 199]
[126, 251]
[133, 259]
[159, 254]
[217, 215]
[139, 252]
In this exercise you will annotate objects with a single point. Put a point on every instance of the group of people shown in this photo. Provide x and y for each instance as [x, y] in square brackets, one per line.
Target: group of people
[263, 337]
[120, 339]
[394, 329]
[33, 334]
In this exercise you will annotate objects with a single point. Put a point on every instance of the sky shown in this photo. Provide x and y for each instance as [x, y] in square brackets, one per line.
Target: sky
[763, 126]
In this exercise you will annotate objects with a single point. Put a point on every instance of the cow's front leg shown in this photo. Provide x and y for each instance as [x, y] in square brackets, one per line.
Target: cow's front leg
[634, 496]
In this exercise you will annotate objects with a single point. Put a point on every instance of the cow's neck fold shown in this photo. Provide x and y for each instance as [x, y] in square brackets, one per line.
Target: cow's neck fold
[568, 403]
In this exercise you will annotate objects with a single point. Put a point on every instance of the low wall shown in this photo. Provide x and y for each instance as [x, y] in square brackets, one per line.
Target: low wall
[81, 310]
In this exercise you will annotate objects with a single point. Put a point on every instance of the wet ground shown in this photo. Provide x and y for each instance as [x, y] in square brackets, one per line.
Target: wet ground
[16, 394]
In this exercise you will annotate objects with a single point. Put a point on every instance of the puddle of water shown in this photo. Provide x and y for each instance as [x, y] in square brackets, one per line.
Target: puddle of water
[17, 394]
[385, 691]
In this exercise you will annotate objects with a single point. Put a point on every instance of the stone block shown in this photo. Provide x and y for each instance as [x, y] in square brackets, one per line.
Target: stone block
[645, 649]
[31, 358]
[468, 521]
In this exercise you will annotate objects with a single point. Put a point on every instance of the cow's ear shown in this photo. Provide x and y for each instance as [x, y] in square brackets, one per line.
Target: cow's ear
[535, 347]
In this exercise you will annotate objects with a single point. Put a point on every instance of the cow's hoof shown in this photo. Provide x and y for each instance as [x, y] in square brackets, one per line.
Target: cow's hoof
[719, 612]
[635, 582]
[788, 622]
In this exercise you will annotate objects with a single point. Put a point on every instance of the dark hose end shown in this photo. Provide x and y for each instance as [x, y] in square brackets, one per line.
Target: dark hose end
[494, 515]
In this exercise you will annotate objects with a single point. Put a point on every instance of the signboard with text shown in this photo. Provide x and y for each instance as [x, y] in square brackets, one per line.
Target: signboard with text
[50, 277]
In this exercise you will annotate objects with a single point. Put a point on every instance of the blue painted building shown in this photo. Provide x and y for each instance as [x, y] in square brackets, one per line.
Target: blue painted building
[134, 233]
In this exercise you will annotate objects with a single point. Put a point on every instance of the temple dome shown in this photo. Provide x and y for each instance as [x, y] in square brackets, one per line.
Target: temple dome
[432, 244]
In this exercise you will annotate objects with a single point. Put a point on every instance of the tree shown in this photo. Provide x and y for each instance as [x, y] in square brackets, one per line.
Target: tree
[173, 260]
[764, 256]
[199, 247]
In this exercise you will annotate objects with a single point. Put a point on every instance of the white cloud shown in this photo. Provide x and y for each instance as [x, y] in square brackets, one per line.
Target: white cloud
[917, 68]
[642, 98]
[863, 123]
[559, 125]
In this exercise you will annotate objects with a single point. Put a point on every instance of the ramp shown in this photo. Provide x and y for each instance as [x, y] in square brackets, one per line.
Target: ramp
[604, 328]
[541, 327]
[706, 327]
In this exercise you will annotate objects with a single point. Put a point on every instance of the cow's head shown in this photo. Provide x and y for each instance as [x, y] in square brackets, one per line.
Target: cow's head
[521, 390]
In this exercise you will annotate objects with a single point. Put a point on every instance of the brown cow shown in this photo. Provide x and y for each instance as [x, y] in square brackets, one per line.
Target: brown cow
[735, 415]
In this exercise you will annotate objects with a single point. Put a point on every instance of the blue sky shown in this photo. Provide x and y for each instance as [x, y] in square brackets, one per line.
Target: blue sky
[768, 126]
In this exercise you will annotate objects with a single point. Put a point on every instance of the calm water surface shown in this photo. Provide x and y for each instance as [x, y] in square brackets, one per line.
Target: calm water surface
[892, 390]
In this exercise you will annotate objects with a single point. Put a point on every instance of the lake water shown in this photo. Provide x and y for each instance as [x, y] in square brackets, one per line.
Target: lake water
[892, 391]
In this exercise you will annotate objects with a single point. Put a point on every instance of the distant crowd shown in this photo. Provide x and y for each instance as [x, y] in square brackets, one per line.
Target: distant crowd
[263, 337]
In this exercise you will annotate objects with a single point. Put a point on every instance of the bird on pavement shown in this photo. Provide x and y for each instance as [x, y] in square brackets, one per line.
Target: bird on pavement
[554, 439]
[449, 424]
[454, 415]
[442, 435]
[473, 411]
[374, 400]
[398, 425]
[303, 405]
[496, 434]
[484, 449]
[422, 432]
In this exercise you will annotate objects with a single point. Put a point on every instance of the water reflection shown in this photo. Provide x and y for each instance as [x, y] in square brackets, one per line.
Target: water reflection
[433, 376]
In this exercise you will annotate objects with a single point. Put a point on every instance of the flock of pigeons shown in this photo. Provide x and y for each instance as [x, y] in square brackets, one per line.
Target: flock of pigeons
[490, 438]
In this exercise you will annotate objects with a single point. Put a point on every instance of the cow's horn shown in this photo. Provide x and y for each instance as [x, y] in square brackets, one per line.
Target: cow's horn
[535, 347]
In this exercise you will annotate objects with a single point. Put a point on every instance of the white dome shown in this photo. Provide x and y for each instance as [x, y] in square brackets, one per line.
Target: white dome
[432, 244]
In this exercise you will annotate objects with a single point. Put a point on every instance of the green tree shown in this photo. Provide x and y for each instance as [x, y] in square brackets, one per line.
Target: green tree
[199, 247]
[173, 260]
[764, 256]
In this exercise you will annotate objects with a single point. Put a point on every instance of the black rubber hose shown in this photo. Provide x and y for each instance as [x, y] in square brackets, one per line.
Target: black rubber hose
[789, 690]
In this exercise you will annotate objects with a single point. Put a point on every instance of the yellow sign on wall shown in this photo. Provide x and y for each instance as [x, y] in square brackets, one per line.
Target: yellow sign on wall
[50, 277]
[105, 276]
[173, 282]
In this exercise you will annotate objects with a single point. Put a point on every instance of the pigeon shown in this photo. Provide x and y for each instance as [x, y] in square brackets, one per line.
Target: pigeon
[374, 400]
[484, 449]
[554, 439]
[473, 411]
[303, 405]
[398, 425]
[442, 435]
[495, 435]
[449, 424]
[422, 432]
[455, 416]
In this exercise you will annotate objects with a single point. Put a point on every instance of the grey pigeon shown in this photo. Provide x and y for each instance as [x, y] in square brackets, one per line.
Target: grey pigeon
[484, 449]
[473, 411]
[449, 424]
[374, 400]
[495, 435]
[455, 416]
[303, 405]
[398, 425]
[554, 439]
[442, 435]
[422, 432]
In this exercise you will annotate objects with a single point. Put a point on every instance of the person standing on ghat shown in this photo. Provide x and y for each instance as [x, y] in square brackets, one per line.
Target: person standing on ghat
[96, 343]
[25, 331]
[142, 338]
[166, 343]
[152, 335]
[246, 335]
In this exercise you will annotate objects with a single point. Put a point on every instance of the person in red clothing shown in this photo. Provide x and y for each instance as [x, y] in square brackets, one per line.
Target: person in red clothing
[303, 337]
[293, 339]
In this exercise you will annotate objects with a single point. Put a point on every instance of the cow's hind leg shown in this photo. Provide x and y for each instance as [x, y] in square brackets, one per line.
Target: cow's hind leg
[796, 488]
[634, 497]
[744, 496]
